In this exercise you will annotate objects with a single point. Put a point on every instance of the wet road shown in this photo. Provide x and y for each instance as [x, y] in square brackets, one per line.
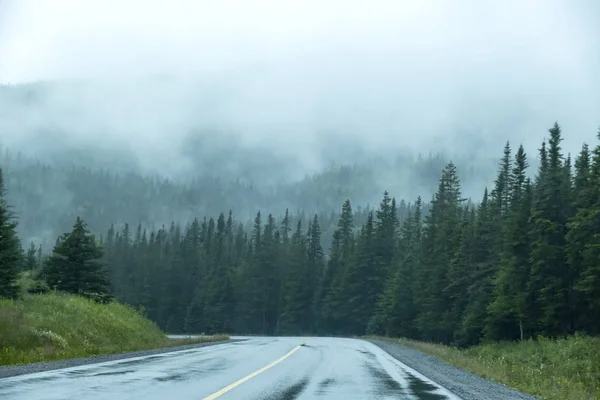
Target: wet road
[256, 368]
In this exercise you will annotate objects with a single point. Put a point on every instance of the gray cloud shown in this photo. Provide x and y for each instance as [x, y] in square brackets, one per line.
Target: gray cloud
[389, 75]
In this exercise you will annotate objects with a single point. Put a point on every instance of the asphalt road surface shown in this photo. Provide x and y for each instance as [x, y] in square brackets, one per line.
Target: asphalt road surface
[255, 368]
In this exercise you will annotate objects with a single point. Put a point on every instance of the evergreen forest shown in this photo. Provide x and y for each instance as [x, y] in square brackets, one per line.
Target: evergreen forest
[521, 261]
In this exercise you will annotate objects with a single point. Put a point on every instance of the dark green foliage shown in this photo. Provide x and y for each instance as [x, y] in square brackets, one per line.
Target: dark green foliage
[441, 240]
[74, 266]
[583, 244]
[10, 248]
[30, 259]
[49, 194]
[511, 302]
[296, 309]
[520, 263]
[396, 308]
[550, 214]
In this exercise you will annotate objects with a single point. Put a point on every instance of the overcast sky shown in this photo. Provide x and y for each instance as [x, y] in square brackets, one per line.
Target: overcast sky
[423, 67]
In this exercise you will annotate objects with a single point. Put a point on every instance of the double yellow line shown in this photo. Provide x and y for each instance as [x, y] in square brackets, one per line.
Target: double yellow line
[252, 375]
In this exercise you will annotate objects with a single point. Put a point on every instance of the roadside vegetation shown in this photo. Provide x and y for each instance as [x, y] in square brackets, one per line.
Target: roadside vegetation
[521, 263]
[53, 326]
[550, 369]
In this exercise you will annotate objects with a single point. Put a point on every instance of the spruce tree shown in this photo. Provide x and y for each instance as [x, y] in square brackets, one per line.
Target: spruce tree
[510, 308]
[397, 307]
[74, 266]
[218, 296]
[584, 240]
[442, 235]
[361, 280]
[315, 264]
[10, 248]
[296, 307]
[460, 273]
[550, 215]
[30, 261]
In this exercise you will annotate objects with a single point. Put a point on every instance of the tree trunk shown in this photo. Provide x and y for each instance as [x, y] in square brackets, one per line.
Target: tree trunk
[521, 328]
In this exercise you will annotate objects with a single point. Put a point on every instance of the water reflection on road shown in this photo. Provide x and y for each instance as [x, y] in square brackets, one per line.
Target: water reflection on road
[323, 368]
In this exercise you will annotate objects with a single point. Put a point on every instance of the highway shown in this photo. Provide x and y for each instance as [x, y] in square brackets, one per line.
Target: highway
[253, 368]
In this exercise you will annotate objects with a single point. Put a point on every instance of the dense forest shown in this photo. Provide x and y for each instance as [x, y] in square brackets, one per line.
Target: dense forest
[521, 262]
[48, 196]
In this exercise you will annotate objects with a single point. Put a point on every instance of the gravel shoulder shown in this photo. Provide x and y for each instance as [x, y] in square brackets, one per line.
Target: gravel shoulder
[14, 370]
[462, 383]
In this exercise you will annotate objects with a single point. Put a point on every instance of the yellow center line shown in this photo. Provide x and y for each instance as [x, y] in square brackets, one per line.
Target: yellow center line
[252, 375]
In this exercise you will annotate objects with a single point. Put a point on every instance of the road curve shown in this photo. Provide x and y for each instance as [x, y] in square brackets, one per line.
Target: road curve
[256, 368]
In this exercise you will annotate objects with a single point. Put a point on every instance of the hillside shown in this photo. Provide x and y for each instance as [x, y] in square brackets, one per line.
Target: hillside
[47, 196]
[59, 326]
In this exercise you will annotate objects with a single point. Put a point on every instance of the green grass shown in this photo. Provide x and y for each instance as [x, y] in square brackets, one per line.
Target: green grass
[58, 326]
[548, 369]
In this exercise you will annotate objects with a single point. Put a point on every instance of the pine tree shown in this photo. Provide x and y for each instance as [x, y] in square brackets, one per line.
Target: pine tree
[74, 266]
[30, 260]
[397, 308]
[315, 265]
[218, 296]
[442, 239]
[194, 322]
[510, 307]
[10, 248]
[386, 231]
[296, 306]
[549, 275]
[40, 258]
[584, 240]
[362, 278]
[519, 263]
[460, 272]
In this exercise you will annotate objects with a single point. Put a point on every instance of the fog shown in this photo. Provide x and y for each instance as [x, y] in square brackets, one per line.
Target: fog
[311, 82]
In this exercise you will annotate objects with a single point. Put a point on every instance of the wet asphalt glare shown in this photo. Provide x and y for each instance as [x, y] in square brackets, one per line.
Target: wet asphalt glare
[256, 368]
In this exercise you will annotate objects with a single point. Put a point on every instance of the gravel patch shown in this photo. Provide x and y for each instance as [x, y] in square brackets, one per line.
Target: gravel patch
[14, 370]
[464, 384]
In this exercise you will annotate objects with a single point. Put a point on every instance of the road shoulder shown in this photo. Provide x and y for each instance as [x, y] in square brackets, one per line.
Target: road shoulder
[462, 383]
[23, 369]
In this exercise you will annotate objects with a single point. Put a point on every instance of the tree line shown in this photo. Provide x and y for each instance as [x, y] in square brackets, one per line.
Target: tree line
[522, 262]
[49, 195]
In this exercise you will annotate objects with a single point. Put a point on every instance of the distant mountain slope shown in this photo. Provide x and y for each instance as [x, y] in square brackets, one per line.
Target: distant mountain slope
[48, 197]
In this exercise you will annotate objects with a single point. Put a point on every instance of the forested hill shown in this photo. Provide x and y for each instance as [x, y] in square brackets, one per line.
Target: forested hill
[522, 262]
[48, 195]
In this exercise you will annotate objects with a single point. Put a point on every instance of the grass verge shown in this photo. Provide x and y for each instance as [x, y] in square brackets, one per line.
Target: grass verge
[549, 369]
[59, 326]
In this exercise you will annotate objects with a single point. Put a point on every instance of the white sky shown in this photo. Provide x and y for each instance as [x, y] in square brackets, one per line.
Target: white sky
[47, 39]
[372, 66]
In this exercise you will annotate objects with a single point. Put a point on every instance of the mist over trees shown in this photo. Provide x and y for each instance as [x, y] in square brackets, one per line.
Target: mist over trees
[520, 263]
[10, 247]
[48, 196]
